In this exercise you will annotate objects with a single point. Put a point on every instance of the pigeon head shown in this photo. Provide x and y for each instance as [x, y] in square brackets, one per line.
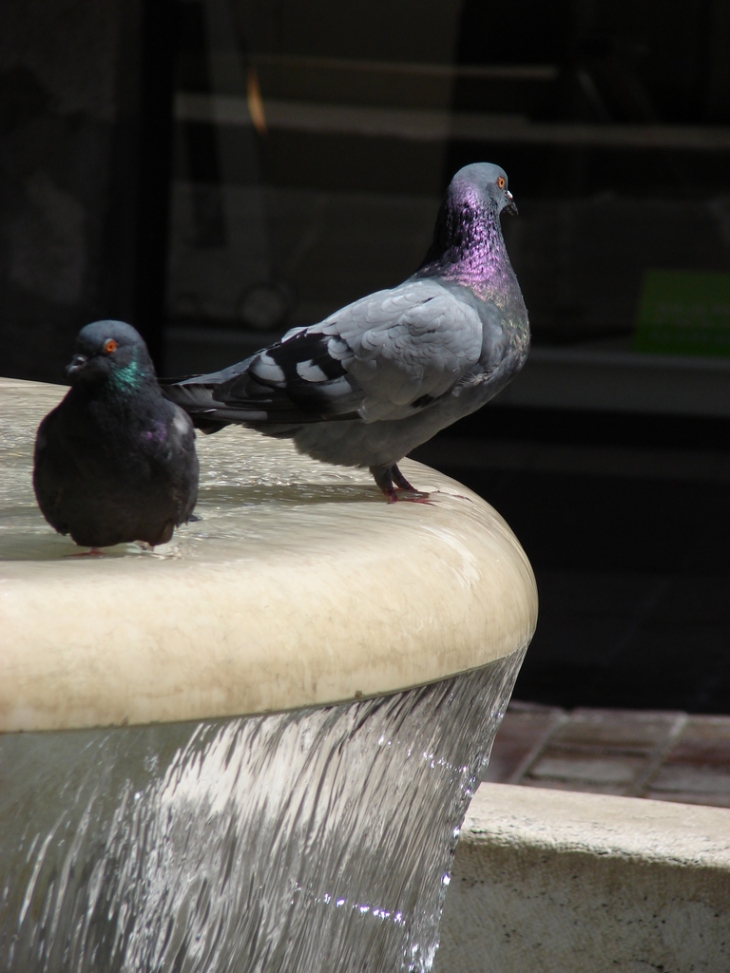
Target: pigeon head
[110, 353]
[481, 184]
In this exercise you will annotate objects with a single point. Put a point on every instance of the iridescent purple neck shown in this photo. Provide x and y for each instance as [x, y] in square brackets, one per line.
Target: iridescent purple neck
[468, 247]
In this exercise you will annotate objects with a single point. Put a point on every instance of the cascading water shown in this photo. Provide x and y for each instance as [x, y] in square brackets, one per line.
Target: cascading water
[315, 840]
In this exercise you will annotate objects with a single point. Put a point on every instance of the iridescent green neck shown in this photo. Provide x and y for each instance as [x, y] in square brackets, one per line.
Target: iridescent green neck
[129, 377]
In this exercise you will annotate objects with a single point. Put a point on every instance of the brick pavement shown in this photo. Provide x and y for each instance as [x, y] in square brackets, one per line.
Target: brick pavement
[665, 756]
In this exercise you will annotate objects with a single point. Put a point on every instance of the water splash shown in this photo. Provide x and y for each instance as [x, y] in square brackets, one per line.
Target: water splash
[314, 840]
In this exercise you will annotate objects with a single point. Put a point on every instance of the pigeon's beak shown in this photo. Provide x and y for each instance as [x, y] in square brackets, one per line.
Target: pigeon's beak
[511, 206]
[75, 365]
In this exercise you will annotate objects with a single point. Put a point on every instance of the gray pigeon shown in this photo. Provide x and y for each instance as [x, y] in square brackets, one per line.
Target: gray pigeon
[373, 381]
[115, 461]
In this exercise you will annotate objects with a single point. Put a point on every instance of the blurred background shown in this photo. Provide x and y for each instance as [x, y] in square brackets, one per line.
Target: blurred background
[216, 171]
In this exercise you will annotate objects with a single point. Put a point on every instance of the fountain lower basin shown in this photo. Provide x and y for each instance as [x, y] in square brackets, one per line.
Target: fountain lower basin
[252, 748]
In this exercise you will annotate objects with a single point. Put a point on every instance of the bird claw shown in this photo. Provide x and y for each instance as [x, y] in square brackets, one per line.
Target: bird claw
[92, 552]
[419, 498]
[412, 496]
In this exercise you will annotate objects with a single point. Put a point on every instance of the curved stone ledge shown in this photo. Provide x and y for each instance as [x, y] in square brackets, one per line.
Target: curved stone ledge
[565, 882]
[299, 586]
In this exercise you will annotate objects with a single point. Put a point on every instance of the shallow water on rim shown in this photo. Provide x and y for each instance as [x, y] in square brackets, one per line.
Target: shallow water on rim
[314, 840]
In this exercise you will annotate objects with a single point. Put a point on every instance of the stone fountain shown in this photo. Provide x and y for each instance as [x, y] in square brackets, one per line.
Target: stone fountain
[250, 749]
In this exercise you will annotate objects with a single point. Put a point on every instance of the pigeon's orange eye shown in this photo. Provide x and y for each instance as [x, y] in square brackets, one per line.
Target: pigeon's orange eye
[500, 182]
[110, 345]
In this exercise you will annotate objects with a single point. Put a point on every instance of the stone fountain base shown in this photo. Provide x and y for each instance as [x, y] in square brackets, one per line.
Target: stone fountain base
[253, 748]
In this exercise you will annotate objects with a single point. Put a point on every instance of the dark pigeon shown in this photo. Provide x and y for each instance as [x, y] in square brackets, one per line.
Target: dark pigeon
[373, 381]
[115, 461]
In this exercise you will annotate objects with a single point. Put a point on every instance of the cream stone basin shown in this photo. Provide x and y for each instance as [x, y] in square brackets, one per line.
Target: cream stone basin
[252, 748]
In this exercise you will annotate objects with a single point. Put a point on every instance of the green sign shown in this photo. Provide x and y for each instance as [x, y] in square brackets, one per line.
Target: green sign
[684, 312]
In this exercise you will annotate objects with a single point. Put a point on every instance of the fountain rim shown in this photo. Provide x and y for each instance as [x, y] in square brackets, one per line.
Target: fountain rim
[320, 627]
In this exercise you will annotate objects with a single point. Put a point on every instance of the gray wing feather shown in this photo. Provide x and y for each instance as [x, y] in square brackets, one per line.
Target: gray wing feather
[413, 342]
[386, 356]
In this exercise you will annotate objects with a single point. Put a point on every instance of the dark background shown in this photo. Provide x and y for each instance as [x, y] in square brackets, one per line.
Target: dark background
[124, 194]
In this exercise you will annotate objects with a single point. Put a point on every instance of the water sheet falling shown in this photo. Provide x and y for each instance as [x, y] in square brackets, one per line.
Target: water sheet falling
[316, 840]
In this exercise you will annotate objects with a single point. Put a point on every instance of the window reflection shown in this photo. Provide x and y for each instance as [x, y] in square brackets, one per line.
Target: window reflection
[312, 143]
